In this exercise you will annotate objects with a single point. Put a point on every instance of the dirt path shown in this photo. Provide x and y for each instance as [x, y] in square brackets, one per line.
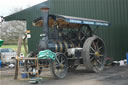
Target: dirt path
[110, 76]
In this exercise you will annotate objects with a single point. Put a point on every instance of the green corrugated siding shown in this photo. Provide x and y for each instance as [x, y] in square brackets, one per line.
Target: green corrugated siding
[114, 11]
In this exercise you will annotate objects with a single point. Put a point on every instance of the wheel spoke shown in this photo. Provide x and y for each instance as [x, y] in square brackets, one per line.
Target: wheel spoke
[100, 55]
[82, 38]
[98, 61]
[97, 45]
[92, 49]
[100, 48]
[91, 53]
[92, 58]
[87, 32]
[83, 32]
[94, 45]
[62, 61]
[57, 59]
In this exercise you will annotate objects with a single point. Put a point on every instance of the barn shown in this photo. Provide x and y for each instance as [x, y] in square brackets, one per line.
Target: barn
[114, 11]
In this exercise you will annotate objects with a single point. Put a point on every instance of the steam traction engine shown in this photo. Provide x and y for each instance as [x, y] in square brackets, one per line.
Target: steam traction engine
[73, 41]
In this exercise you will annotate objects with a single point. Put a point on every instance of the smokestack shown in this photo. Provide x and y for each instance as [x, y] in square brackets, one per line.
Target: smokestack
[45, 21]
[43, 42]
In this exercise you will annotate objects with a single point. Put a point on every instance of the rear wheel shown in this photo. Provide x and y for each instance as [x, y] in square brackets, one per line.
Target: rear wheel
[94, 54]
[84, 33]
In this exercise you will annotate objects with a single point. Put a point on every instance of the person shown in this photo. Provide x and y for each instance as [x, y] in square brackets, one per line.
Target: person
[21, 61]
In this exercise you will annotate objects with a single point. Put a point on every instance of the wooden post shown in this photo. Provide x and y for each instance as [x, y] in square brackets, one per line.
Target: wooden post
[25, 47]
[18, 54]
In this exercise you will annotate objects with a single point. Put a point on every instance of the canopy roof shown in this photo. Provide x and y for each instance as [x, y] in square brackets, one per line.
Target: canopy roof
[69, 21]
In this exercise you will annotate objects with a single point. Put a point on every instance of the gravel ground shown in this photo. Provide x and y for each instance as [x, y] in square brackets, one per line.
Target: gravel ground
[110, 76]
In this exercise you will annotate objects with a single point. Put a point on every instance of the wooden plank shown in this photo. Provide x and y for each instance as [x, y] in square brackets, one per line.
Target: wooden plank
[19, 46]
[27, 58]
[18, 54]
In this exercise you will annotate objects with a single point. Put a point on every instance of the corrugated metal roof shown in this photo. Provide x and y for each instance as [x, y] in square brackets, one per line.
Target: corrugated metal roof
[28, 13]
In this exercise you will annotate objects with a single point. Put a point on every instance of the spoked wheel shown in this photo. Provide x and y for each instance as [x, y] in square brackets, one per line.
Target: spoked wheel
[59, 67]
[84, 33]
[94, 54]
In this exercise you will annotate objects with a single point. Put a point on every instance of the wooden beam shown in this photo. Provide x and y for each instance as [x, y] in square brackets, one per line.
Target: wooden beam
[18, 54]
[24, 43]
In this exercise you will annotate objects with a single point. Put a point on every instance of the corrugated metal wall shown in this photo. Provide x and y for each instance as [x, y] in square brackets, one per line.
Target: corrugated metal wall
[114, 11]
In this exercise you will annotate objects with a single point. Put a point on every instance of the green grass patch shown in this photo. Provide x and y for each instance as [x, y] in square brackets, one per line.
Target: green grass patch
[14, 47]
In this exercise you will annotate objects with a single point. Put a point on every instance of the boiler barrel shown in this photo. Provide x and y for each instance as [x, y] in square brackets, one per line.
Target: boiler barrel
[60, 46]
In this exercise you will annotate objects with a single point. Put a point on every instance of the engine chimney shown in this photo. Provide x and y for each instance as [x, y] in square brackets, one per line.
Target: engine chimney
[45, 21]
[43, 42]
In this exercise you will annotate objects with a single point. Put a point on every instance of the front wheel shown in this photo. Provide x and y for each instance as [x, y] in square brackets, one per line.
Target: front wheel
[59, 66]
[94, 54]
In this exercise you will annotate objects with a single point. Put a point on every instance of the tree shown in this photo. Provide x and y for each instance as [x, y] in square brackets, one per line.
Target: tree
[10, 31]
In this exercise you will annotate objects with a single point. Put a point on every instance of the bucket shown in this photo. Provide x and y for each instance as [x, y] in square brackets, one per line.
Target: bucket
[24, 75]
[127, 57]
[1, 42]
[121, 63]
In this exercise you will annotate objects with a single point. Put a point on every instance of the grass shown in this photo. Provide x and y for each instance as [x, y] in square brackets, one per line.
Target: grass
[14, 47]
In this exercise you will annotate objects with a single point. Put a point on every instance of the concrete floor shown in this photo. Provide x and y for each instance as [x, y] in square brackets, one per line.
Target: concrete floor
[110, 76]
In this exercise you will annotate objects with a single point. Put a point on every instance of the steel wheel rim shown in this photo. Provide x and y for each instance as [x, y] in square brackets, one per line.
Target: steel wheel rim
[97, 53]
[60, 66]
